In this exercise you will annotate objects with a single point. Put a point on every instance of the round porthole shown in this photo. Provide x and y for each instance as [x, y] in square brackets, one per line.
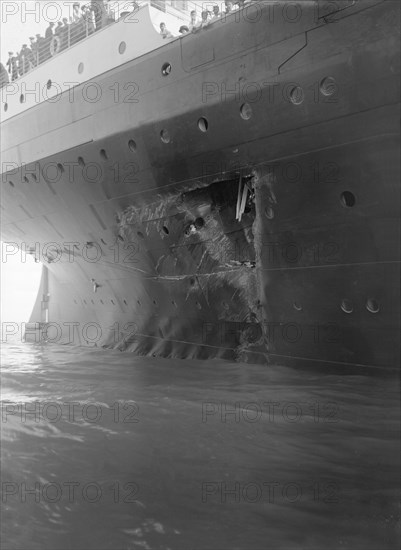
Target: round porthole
[328, 86]
[6, 106]
[122, 47]
[296, 95]
[166, 69]
[132, 145]
[103, 154]
[81, 68]
[49, 84]
[246, 111]
[165, 136]
[203, 124]
[347, 306]
[348, 199]
[372, 305]
[21, 98]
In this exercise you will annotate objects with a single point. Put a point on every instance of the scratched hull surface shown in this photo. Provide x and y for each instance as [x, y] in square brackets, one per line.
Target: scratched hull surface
[247, 206]
[336, 458]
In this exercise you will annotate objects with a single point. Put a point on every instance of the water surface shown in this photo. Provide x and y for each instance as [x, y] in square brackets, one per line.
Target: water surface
[125, 452]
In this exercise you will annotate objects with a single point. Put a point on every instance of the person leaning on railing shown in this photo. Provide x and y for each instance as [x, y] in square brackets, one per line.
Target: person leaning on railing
[164, 31]
[12, 65]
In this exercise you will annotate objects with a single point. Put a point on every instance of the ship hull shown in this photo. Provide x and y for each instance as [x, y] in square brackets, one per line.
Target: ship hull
[244, 204]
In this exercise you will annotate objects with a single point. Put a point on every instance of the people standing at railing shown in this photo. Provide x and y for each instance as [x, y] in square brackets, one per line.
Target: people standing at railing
[40, 44]
[206, 17]
[24, 56]
[20, 63]
[12, 65]
[49, 31]
[193, 23]
[64, 34]
[4, 78]
[87, 16]
[100, 10]
[33, 58]
[229, 7]
[164, 31]
[76, 15]
[58, 29]
[216, 13]
[46, 42]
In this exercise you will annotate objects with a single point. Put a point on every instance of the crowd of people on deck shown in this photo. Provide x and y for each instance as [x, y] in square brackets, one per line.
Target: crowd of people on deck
[207, 17]
[84, 21]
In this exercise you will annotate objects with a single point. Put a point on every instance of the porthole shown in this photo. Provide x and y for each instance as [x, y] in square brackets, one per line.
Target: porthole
[296, 95]
[81, 68]
[132, 145]
[60, 167]
[348, 199]
[166, 69]
[6, 106]
[81, 162]
[21, 98]
[246, 111]
[165, 229]
[269, 212]
[103, 154]
[203, 124]
[347, 306]
[49, 84]
[122, 47]
[165, 136]
[372, 305]
[328, 86]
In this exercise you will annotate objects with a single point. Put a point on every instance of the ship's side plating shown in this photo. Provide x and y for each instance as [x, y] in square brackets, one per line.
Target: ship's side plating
[240, 200]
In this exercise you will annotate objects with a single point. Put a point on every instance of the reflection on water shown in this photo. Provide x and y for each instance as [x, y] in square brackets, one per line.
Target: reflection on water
[106, 450]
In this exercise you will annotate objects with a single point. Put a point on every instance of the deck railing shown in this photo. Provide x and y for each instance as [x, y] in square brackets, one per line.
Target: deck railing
[66, 35]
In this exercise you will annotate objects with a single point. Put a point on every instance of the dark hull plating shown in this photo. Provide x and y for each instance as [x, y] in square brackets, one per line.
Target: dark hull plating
[309, 275]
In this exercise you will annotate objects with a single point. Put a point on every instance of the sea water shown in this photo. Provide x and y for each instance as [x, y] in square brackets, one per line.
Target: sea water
[105, 450]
